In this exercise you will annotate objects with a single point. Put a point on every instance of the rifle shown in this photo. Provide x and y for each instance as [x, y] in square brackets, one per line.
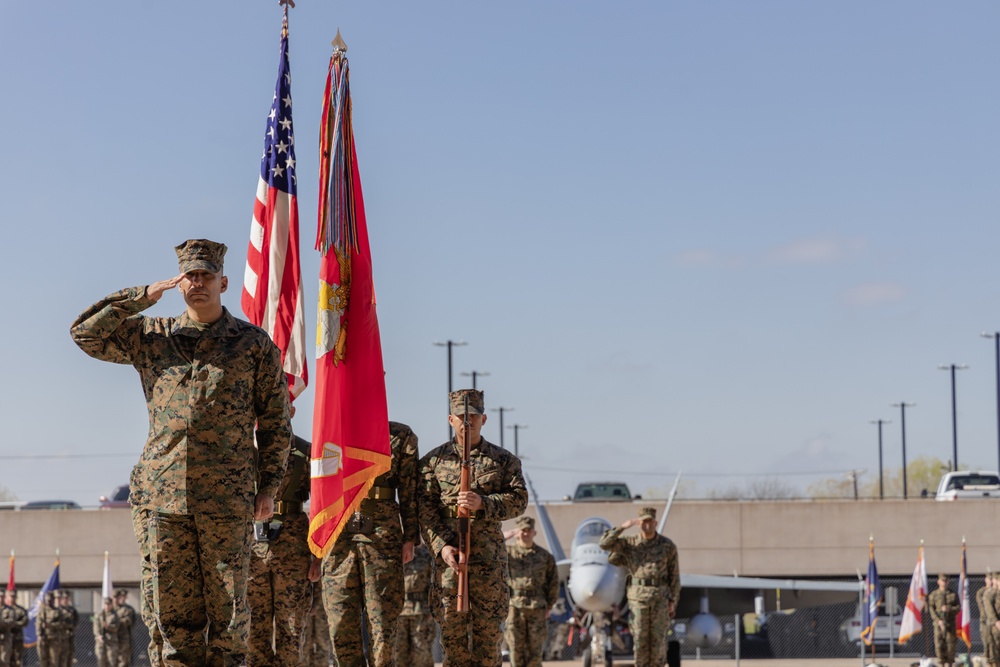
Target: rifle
[464, 520]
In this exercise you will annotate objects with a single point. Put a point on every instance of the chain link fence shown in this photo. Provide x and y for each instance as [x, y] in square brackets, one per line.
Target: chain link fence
[830, 631]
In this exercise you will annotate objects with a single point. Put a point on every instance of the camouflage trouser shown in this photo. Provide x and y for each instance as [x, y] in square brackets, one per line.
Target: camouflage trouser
[525, 632]
[488, 601]
[107, 652]
[944, 644]
[6, 648]
[358, 578]
[649, 622]
[984, 633]
[415, 640]
[17, 644]
[69, 649]
[994, 646]
[49, 654]
[140, 519]
[278, 593]
[316, 650]
[199, 583]
[124, 649]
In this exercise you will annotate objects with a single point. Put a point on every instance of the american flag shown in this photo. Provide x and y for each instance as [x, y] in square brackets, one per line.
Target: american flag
[272, 283]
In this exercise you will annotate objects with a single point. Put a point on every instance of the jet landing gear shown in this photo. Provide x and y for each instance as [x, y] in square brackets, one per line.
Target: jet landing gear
[598, 652]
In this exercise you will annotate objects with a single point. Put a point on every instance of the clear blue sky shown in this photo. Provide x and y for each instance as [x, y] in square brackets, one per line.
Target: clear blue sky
[711, 236]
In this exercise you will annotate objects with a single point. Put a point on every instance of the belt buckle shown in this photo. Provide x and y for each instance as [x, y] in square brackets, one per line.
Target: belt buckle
[360, 523]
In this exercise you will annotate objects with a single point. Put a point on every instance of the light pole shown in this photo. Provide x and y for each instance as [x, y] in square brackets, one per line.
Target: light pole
[881, 494]
[501, 410]
[954, 413]
[902, 405]
[516, 427]
[450, 344]
[996, 337]
[475, 374]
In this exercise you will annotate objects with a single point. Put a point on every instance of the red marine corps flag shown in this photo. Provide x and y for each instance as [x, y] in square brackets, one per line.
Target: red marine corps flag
[272, 283]
[350, 445]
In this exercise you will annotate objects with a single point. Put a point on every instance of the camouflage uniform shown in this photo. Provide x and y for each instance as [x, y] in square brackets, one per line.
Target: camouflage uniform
[943, 606]
[69, 617]
[416, 630]
[126, 621]
[13, 618]
[984, 629]
[206, 387]
[992, 638]
[363, 573]
[496, 477]
[654, 584]
[106, 624]
[278, 589]
[49, 627]
[316, 647]
[534, 589]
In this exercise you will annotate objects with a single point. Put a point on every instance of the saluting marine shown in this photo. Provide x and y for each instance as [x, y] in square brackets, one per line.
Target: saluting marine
[363, 572]
[654, 584]
[214, 388]
[497, 493]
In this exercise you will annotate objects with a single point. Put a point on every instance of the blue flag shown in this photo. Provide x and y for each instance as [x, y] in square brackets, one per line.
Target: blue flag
[30, 631]
[873, 597]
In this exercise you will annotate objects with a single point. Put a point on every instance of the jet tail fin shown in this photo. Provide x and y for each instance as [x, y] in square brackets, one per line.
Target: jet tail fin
[547, 529]
[670, 501]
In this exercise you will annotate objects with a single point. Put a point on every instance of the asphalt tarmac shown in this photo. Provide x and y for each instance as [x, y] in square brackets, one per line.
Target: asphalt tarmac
[730, 662]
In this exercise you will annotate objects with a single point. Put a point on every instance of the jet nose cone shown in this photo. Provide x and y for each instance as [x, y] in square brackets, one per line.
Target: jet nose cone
[590, 588]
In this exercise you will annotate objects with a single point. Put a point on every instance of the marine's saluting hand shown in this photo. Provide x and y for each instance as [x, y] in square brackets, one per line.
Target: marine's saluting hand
[156, 290]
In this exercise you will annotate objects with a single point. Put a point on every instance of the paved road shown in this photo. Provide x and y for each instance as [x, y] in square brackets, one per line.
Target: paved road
[730, 662]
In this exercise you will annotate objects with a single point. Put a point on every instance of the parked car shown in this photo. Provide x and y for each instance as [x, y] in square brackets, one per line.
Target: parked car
[963, 484]
[885, 631]
[118, 498]
[602, 492]
[50, 505]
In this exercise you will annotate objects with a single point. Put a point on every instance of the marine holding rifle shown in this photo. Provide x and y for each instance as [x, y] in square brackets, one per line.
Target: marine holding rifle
[497, 492]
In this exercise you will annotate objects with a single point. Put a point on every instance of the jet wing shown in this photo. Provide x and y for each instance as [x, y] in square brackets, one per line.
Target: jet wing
[735, 595]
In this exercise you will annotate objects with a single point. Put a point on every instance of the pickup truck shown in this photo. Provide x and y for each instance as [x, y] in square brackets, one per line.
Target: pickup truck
[963, 484]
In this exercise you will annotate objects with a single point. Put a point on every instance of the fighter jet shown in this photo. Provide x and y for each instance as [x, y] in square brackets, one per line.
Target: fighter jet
[595, 589]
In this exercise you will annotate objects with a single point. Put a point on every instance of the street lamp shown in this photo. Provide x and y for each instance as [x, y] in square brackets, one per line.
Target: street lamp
[902, 405]
[996, 337]
[954, 413]
[516, 428]
[501, 410]
[450, 344]
[881, 494]
[474, 375]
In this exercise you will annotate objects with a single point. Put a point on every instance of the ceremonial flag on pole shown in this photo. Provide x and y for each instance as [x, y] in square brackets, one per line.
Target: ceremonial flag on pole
[912, 622]
[10, 575]
[107, 589]
[272, 282]
[350, 445]
[873, 597]
[963, 622]
[51, 584]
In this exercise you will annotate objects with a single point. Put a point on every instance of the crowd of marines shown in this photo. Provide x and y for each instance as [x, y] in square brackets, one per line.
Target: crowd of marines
[217, 505]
